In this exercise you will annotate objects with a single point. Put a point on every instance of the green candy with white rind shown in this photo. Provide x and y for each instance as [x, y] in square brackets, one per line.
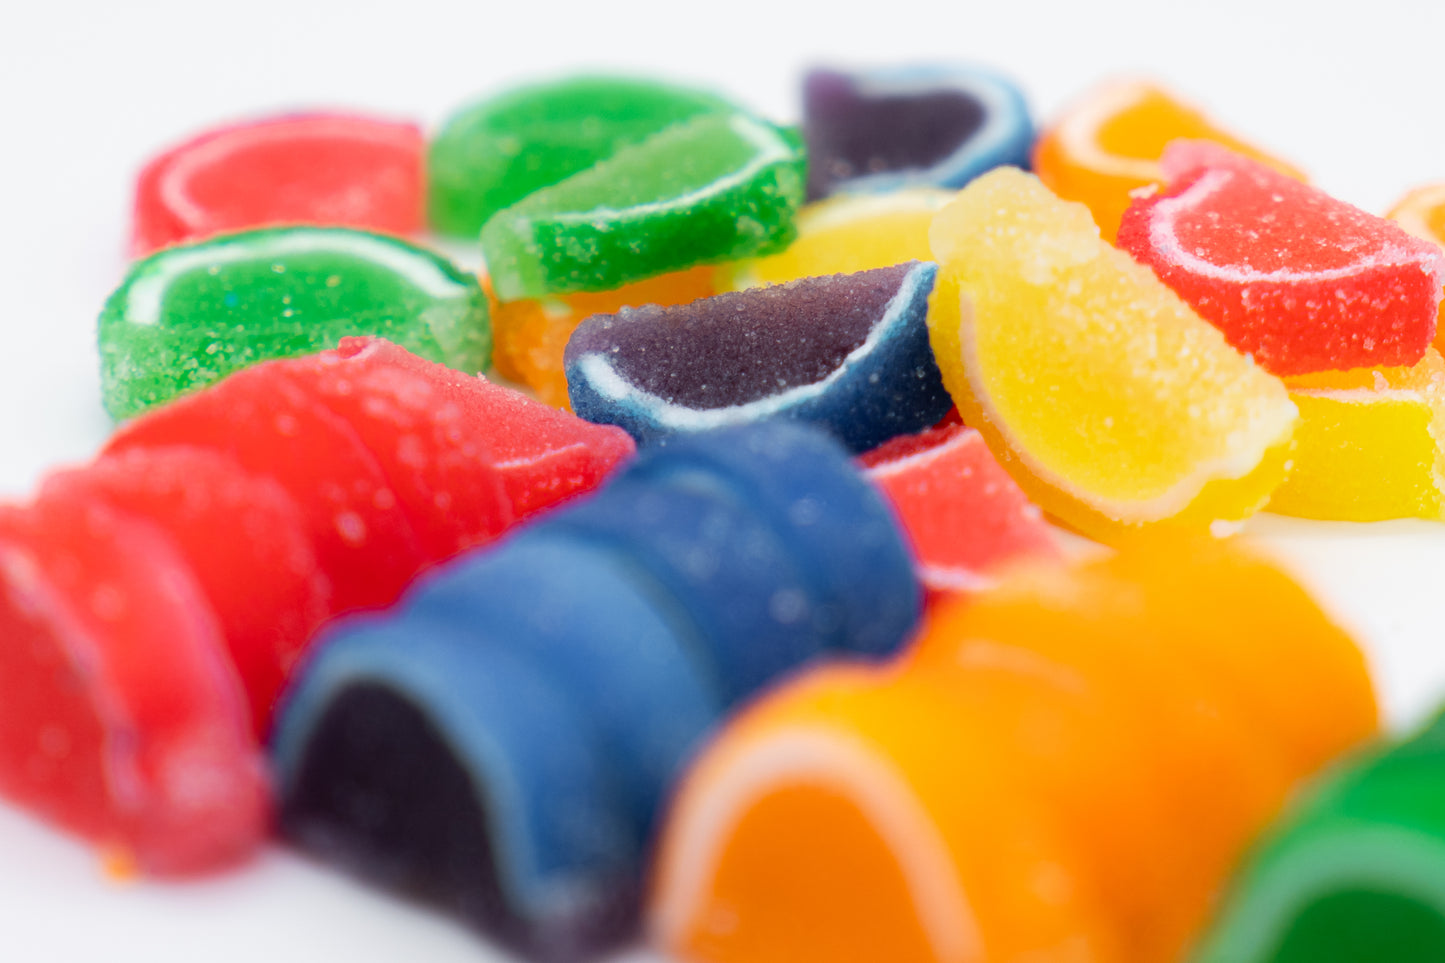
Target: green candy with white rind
[188, 316]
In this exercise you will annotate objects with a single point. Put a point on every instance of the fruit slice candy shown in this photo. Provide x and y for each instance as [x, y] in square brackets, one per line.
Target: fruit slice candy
[491, 154]
[1297, 279]
[531, 336]
[848, 353]
[717, 187]
[848, 234]
[331, 169]
[1422, 213]
[881, 130]
[123, 721]
[243, 540]
[1353, 872]
[1109, 142]
[189, 316]
[963, 513]
[1106, 398]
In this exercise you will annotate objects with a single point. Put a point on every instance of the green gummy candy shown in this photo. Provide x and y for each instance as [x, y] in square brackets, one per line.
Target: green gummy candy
[188, 316]
[1356, 871]
[714, 188]
[492, 154]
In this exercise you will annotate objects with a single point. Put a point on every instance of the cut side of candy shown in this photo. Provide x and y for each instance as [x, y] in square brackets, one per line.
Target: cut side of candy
[848, 353]
[326, 169]
[845, 235]
[1109, 143]
[531, 335]
[1300, 281]
[493, 153]
[885, 129]
[964, 515]
[124, 721]
[714, 188]
[1370, 444]
[1107, 399]
[188, 316]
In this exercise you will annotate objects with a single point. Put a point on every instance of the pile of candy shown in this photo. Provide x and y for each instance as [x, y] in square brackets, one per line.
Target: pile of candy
[809, 676]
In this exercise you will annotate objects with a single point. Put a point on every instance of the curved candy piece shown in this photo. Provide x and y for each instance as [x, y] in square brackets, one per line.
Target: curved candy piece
[456, 771]
[1298, 280]
[885, 129]
[1108, 143]
[1079, 367]
[963, 514]
[124, 721]
[332, 169]
[493, 153]
[188, 316]
[848, 353]
[1351, 873]
[713, 188]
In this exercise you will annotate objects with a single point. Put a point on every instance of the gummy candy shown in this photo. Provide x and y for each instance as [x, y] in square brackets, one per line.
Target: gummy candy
[848, 352]
[189, 316]
[328, 169]
[493, 153]
[716, 187]
[1300, 281]
[1063, 767]
[1370, 444]
[531, 335]
[885, 129]
[963, 514]
[1422, 213]
[845, 235]
[546, 693]
[1351, 872]
[1105, 397]
[1109, 143]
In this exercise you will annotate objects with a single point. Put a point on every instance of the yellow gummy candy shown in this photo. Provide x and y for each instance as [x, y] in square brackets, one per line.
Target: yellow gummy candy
[1370, 444]
[1110, 402]
[849, 233]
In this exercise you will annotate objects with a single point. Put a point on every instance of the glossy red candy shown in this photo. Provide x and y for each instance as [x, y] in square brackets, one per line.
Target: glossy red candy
[123, 719]
[963, 514]
[241, 536]
[1297, 279]
[327, 169]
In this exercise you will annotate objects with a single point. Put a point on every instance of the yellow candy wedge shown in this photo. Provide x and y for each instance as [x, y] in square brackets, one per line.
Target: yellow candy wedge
[1113, 405]
[1370, 444]
[849, 233]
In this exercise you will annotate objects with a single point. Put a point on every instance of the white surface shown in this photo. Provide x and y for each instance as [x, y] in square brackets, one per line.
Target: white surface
[89, 90]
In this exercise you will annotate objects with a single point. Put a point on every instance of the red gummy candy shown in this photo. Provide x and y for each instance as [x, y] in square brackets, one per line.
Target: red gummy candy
[963, 514]
[123, 718]
[327, 169]
[242, 538]
[363, 540]
[544, 455]
[1297, 279]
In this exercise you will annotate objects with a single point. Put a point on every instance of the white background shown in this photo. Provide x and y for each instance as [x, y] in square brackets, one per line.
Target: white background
[1352, 92]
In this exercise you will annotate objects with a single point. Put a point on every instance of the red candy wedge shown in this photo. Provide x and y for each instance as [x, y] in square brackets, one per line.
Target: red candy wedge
[1297, 279]
[242, 538]
[329, 169]
[123, 719]
[962, 512]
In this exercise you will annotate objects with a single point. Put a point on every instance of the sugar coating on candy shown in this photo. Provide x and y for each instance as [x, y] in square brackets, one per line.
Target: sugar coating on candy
[883, 129]
[847, 352]
[124, 721]
[493, 153]
[963, 514]
[716, 187]
[1106, 398]
[331, 169]
[1300, 281]
[188, 316]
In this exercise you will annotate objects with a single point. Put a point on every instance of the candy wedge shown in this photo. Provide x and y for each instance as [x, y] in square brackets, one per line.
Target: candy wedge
[1111, 403]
